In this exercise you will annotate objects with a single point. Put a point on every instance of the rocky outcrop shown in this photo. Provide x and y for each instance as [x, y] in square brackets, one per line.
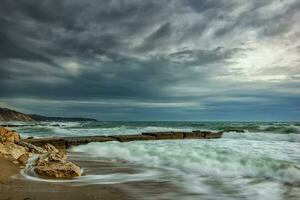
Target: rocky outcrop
[51, 162]
[11, 150]
[7, 135]
[59, 143]
[58, 170]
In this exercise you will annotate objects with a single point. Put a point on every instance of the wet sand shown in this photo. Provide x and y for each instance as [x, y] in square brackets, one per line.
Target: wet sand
[22, 189]
[7, 169]
[13, 186]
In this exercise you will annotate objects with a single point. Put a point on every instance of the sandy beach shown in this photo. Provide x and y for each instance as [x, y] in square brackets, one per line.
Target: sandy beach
[13, 187]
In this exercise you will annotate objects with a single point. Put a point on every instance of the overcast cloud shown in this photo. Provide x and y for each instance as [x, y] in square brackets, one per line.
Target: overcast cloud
[152, 60]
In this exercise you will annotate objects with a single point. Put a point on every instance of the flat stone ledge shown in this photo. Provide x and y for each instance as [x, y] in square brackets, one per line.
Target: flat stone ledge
[75, 141]
[166, 135]
[66, 142]
[129, 138]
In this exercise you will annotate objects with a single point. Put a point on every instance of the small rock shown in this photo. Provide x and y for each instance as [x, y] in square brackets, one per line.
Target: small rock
[23, 158]
[51, 148]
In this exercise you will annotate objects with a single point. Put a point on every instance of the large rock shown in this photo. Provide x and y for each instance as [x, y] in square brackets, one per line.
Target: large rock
[58, 170]
[11, 150]
[7, 135]
[55, 165]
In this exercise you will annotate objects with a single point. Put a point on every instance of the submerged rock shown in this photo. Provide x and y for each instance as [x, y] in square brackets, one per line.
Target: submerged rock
[7, 135]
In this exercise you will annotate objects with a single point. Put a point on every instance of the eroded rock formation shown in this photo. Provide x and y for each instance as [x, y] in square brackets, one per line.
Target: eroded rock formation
[51, 162]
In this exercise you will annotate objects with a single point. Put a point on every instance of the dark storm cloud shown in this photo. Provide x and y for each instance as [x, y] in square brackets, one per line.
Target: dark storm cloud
[123, 58]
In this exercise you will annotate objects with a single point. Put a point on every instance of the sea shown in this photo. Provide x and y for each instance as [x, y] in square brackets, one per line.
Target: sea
[261, 163]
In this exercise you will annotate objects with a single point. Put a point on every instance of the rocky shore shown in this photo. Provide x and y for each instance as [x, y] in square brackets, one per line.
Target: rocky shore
[51, 162]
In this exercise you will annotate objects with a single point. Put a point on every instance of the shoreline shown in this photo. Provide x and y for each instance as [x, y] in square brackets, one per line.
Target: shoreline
[14, 187]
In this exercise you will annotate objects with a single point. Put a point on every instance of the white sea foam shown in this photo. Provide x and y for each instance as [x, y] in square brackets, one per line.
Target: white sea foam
[194, 163]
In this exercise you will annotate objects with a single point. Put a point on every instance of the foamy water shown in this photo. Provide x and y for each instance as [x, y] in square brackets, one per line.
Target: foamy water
[262, 163]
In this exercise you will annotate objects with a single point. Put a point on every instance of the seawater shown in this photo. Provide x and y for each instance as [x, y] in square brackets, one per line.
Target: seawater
[261, 163]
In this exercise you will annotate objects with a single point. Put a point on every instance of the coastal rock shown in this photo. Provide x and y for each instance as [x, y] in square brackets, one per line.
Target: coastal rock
[11, 150]
[58, 170]
[51, 148]
[51, 157]
[23, 158]
[55, 165]
[32, 148]
[7, 135]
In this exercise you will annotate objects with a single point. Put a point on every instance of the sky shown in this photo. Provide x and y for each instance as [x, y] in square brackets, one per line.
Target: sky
[152, 60]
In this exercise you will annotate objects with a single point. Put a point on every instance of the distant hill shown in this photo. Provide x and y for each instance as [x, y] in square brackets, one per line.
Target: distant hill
[12, 115]
[7, 114]
[58, 119]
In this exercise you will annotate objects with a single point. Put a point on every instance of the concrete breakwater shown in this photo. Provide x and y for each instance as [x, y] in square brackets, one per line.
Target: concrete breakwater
[66, 142]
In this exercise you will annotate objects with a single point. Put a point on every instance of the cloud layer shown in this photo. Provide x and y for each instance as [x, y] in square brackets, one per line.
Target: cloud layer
[152, 60]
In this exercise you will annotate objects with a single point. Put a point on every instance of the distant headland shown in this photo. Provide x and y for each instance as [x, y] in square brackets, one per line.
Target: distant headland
[7, 114]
